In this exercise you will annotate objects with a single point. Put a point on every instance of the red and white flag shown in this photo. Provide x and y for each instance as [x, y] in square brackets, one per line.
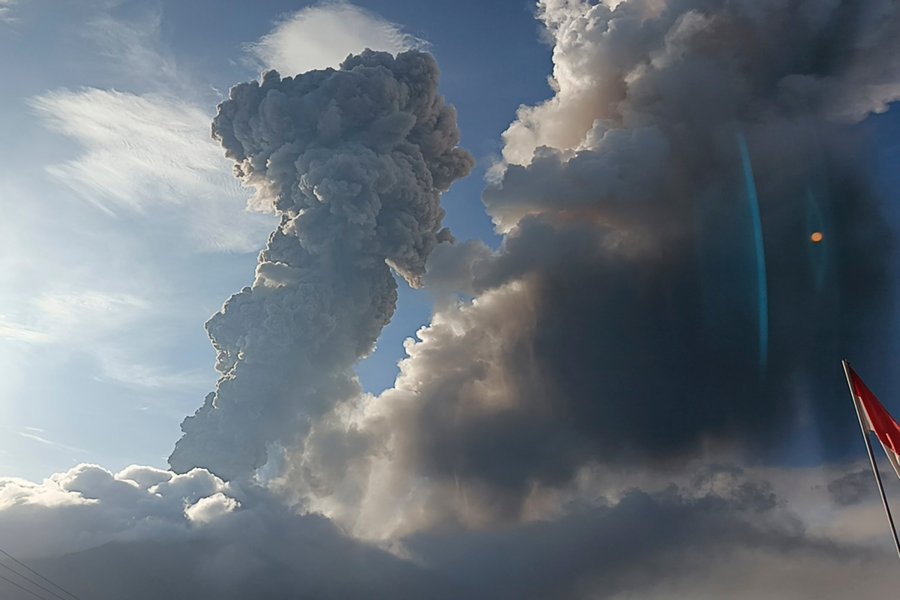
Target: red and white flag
[875, 418]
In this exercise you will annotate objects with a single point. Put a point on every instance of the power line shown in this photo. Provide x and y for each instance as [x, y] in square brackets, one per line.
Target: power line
[31, 581]
[48, 580]
[24, 589]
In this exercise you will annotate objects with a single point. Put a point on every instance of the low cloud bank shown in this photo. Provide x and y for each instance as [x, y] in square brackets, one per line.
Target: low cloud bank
[144, 533]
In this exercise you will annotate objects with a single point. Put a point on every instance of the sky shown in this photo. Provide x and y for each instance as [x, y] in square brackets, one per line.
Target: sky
[232, 335]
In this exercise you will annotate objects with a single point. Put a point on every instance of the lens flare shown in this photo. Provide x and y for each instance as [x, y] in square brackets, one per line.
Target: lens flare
[762, 287]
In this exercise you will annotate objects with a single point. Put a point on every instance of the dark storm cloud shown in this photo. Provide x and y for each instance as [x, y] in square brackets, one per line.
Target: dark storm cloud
[646, 337]
[643, 338]
[596, 551]
[623, 320]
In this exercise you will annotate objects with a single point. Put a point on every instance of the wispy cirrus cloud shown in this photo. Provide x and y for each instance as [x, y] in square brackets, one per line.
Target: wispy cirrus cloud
[323, 35]
[17, 332]
[146, 146]
[93, 320]
[137, 375]
[146, 151]
[132, 47]
[34, 437]
[5, 10]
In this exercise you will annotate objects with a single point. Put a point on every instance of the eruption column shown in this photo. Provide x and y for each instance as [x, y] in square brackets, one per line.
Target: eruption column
[353, 161]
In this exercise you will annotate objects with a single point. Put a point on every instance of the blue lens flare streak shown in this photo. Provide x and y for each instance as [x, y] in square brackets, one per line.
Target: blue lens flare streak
[761, 279]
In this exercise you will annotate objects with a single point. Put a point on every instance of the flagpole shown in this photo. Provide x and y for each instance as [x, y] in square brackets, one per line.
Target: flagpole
[865, 434]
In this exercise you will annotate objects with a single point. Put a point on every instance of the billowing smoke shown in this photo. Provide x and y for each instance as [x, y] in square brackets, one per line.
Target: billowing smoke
[656, 306]
[657, 296]
[354, 161]
[146, 534]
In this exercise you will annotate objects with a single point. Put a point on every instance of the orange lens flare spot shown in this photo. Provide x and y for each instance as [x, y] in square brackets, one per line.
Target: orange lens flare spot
[816, 237]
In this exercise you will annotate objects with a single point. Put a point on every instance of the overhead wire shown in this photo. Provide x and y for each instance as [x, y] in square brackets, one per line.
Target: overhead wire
[23, 588]
[31, 581]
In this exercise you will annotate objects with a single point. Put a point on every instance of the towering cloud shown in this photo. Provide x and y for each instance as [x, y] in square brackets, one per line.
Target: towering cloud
[354, 161]
[656, 295]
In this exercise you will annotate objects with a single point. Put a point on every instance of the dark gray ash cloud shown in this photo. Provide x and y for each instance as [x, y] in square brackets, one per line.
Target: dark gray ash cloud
[354, 160]
[620, 321]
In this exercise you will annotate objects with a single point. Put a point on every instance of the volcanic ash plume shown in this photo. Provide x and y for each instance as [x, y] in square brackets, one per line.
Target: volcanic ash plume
[354, 161]
[656, 298]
